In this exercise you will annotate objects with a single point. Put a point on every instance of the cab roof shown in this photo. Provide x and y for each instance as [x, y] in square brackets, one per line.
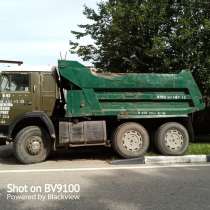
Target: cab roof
[24, 68]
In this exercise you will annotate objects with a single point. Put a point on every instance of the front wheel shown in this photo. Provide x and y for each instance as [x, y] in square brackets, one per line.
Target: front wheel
[172, 139]
[130, 140]
[32, 145]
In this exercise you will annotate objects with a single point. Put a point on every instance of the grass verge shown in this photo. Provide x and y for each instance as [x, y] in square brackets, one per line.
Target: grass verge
[193, 149]
[198, 149]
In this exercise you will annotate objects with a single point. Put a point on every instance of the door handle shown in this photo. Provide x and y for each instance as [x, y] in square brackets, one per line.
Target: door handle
[34, 88]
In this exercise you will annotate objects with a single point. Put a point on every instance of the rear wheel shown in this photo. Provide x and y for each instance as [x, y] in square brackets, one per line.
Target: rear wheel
[130, 140]
[32, 145]
[172, 139]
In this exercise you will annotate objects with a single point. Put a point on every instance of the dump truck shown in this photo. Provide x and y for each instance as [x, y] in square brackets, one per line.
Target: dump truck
[44, 110]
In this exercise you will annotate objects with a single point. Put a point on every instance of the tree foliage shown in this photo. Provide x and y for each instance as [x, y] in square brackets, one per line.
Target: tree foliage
[148, 36]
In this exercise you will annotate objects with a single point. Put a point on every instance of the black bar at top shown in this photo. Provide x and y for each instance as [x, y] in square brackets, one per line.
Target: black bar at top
[13, 62]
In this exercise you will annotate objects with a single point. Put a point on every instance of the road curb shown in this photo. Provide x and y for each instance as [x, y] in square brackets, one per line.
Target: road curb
[163, 160]
[176, 159]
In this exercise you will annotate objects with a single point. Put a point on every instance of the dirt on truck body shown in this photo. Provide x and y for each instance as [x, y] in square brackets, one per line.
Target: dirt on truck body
[70, 106]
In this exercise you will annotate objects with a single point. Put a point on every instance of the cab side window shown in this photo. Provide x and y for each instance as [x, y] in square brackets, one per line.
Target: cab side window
[15, 82]
[19, 82]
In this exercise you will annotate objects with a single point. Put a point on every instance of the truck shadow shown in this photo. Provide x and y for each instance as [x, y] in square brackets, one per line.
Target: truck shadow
[81, 153]
[92, 153]
[6, 155]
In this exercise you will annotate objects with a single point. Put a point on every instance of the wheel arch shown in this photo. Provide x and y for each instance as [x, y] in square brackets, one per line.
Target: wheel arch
[40, 119]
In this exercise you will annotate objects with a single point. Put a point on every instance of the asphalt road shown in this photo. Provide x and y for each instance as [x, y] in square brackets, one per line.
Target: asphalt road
[103, 186]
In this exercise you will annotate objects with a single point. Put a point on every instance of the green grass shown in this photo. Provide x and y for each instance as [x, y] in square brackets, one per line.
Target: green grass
[198, 148]
[193, 149]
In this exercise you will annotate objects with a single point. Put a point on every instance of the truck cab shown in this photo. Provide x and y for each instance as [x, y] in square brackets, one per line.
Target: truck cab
[25, 91]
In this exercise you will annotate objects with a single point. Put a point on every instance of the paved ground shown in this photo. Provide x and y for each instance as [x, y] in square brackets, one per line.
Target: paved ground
[104, 186]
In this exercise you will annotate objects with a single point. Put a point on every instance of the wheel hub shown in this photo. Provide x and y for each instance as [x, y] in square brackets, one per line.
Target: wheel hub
[34, 145]
[132, 140]
[174, 139]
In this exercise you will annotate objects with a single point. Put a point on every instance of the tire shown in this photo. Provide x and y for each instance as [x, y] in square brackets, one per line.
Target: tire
[23, 150]
[172, 139]
[123, 144]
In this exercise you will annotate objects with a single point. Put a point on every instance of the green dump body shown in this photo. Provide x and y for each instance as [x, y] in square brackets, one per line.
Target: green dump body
[130, 95]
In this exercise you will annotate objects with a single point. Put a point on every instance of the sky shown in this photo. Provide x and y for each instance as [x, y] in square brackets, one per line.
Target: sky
[36, 31]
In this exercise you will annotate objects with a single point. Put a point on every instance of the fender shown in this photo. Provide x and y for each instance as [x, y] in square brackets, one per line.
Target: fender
[40, 115]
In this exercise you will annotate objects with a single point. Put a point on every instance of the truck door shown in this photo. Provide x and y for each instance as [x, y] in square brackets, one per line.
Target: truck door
[44, 91]
[48, 92]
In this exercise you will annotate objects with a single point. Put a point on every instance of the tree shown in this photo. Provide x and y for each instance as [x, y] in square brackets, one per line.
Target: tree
[148, 36]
